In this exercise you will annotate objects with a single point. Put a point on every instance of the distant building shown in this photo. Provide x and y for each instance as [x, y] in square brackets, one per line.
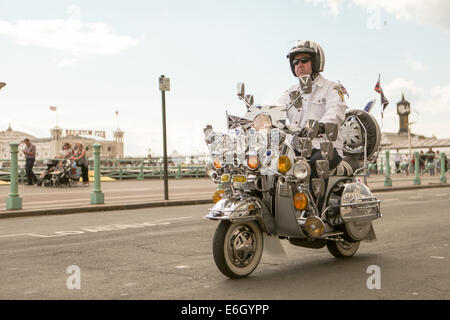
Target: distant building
[47, 148]
[404, 139]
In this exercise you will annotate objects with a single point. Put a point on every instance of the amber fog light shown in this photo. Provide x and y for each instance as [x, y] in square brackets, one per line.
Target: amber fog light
[300, 201]
[217, 163]
[217, 196]
[314, 226]
[252, 162]
[284, 164]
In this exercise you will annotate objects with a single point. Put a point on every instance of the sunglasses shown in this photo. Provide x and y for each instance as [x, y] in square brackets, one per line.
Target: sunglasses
[302, 60]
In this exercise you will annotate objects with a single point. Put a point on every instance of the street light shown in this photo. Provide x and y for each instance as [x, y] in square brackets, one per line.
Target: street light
[164, 85]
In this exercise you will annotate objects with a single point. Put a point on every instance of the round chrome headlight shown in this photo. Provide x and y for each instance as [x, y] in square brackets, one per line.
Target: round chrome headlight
[262, 122]
[302, 170]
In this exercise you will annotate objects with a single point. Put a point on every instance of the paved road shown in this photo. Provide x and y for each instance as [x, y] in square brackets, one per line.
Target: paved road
[165, 253]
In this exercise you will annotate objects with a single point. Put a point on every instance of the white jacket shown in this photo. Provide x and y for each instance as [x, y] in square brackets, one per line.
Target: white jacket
[325, 103]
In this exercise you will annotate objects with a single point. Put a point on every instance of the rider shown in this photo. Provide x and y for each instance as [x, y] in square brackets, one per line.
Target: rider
[325, 103]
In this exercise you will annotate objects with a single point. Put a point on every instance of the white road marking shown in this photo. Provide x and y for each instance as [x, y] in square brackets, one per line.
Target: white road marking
[103, 228]
[437, 257]
[14, 235]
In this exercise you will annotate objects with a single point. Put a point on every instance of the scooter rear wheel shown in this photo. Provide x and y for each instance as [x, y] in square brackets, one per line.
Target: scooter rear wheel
[237, 248]
[342, 249]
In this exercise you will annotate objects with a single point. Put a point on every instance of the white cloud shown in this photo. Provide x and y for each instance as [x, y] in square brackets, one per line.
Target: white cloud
[71, 36]
[415, 65]
[67, 63]
[433, 12]
[333, 7]
[399, 85]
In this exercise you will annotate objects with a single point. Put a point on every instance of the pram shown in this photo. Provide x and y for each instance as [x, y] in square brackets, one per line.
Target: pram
[58, 174]
[45, 178]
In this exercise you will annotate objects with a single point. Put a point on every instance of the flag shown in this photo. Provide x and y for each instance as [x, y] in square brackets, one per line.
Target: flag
[369, 105]
[384, 101]
[236, 122]
[52, 108]
[344, 91]
[117, 113]
[378, 86]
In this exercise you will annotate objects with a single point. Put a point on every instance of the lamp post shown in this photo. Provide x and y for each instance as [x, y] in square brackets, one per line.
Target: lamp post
[164, 85]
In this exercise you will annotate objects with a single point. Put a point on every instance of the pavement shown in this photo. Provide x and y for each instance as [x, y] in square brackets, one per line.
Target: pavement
[137, 194]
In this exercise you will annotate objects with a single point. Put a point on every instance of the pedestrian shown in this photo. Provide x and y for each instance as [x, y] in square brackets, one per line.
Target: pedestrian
[430, 161]
[397, 160]
[422, 158]
[405, 164]
[80, 158]
[30, 156]
[438, 162]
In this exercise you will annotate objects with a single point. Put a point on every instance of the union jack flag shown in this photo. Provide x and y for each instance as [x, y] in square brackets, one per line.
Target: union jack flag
[236, 122]
[384, 101]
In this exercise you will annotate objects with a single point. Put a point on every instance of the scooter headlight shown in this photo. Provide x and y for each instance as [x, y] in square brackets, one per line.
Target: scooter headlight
[314, 226]
[217, 163]
[252, 162]
[302, 170]
[284, 164]
[262, 122]
[217, 195]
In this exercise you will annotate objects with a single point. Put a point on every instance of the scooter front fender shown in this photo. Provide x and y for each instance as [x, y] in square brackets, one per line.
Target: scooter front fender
[243, 209]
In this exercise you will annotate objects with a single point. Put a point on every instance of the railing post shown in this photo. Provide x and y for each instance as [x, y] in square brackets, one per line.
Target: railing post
[416, 168]
[141, 170]
[381, 166]
[443, 178]
[97, 196]
[387, 180]
[14, 201]
[178, 175]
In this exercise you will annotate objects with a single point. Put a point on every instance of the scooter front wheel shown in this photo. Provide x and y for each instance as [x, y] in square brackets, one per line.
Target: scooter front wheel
[342, 249]
[237, 248]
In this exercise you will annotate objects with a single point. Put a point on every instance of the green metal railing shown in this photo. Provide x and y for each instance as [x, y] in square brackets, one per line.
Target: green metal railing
[119, 169]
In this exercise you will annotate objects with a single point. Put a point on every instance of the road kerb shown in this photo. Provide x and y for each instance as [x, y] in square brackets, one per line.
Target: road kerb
[156, 204]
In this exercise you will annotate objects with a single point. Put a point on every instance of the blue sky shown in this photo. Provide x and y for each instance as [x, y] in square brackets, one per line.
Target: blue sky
[91, 58]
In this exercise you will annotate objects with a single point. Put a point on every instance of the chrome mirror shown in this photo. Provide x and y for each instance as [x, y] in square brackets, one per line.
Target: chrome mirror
[331, 131]
[313, 128]
[326, 148]
[241, 90]
[296, 99]
[249, 100]
[323, 168]
[305, 146]
[305, 83]
[318, 186]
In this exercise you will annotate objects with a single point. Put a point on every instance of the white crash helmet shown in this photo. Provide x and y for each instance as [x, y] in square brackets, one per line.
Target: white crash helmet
[311, 47]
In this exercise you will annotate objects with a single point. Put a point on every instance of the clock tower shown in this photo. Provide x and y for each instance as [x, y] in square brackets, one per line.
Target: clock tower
[403, 110]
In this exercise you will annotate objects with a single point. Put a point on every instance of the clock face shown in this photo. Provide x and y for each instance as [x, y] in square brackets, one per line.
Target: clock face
[403, 109]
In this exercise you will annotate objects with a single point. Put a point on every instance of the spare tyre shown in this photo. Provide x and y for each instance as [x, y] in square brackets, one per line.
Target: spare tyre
[357, 124]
